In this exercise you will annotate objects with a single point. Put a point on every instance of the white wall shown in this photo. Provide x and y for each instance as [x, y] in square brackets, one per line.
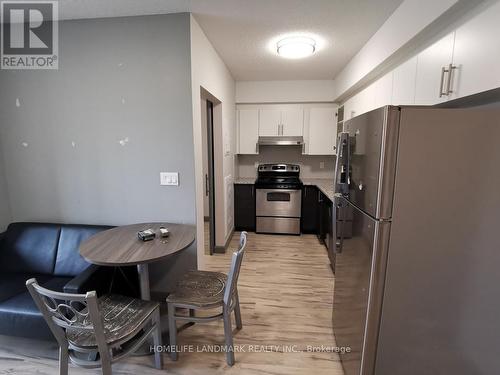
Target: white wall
[284, 91]
[409, 28]
[209, 72]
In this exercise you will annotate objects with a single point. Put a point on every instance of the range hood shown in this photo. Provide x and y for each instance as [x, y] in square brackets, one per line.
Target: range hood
[281, 141]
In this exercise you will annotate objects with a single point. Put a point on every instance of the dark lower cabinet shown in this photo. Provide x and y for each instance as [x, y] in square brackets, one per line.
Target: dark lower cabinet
[317, 218]
[310, 209]
[244, 207]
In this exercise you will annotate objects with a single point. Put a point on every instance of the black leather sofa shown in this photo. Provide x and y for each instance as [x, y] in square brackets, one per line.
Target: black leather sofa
[50, 253]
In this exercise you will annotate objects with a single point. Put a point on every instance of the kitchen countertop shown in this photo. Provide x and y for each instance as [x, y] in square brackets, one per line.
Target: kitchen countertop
[325, 185]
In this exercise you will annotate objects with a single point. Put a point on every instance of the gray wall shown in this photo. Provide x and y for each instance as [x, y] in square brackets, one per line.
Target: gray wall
[119, 79]
[5, 215]
[310, 165]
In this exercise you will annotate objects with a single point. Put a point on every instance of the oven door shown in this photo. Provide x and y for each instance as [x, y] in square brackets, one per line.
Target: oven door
[278, 202]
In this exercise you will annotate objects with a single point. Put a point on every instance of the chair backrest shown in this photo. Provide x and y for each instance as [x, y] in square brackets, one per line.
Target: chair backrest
[234, 272]
[63, 311]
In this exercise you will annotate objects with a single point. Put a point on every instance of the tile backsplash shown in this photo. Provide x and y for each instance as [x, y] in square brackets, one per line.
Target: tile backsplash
[310, 166]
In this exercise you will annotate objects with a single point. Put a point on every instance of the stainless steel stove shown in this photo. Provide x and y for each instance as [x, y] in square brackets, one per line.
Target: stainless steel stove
[278, 198]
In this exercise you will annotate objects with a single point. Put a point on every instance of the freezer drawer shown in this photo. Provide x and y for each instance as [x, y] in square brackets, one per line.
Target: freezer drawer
[373, 140]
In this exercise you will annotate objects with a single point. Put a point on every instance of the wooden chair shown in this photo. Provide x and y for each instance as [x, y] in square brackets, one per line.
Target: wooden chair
[201, 290]
[111, 326]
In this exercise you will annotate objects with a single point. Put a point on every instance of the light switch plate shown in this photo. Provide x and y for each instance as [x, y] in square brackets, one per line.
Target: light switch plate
[169, 178]
[321, 165]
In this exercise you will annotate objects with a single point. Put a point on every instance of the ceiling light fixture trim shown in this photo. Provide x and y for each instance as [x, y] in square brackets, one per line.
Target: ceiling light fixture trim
[296, 47]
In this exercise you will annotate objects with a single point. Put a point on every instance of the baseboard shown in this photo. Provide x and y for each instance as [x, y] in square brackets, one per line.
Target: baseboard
[222, 249]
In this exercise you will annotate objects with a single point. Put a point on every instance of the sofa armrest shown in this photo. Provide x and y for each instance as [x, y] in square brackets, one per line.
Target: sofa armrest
[92, 278]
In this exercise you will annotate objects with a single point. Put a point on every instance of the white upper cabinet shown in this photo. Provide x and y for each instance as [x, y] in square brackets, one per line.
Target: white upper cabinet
[292, 122]
[432, 72]
[248, 131]
[382, 91]
[281, 121]
[464, 62]
[360, 103]
[477, 54]
[270, 122]
[350, 106]
[322, 131]
[286, 120]
[404, 79]
[377, 95]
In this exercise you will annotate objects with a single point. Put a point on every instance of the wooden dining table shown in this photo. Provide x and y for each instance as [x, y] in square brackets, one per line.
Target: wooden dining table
[121, 246]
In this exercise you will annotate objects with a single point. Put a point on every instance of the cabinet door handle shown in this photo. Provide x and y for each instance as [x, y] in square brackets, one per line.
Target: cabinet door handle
[450, 70]
[207, 185]
[441, 93]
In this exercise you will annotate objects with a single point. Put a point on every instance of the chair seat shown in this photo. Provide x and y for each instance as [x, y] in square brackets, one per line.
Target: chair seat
[121, 317]
[201, 289]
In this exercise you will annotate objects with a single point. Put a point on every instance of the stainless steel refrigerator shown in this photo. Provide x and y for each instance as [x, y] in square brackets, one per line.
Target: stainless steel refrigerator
[417, 275]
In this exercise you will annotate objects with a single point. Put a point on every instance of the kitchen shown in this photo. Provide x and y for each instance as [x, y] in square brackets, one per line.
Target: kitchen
[289, 140]
[296, 179]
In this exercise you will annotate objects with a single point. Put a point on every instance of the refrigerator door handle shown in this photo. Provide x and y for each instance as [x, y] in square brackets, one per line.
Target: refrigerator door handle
[342, 175]
[340, 241]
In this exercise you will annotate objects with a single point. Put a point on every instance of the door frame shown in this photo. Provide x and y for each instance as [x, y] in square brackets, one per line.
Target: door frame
[210, 177]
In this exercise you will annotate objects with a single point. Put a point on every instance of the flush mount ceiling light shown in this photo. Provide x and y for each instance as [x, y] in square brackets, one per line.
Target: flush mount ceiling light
[296, 47]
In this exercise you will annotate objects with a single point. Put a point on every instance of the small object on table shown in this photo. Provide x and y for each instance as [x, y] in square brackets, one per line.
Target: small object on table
[164, 232]
[146, 235]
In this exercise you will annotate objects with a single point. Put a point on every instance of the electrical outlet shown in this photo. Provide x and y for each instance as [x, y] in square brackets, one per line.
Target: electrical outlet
[169, 178]
[321, 165]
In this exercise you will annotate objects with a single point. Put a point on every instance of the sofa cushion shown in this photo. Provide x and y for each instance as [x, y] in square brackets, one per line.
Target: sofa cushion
[68, 261]
[29, 248]
[12, 284]
[19, 315]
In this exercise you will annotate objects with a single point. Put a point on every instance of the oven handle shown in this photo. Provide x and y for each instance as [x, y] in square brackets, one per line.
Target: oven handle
[294, 191]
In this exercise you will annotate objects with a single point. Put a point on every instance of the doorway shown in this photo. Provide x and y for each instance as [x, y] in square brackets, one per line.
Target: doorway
[207, 110]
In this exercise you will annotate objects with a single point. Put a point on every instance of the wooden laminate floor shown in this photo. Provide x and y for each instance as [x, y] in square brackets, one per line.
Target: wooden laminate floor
[286, 292]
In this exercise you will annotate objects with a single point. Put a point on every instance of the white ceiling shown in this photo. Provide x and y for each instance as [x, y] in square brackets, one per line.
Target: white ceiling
[241, 30]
